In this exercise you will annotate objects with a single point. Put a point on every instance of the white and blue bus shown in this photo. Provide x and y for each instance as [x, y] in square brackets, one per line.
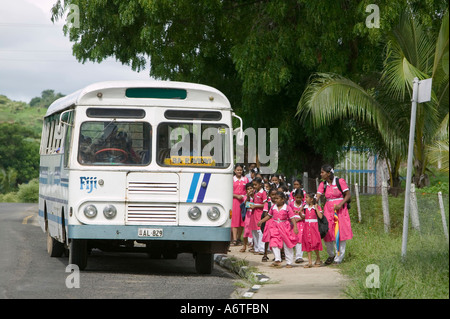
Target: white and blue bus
[138, 166]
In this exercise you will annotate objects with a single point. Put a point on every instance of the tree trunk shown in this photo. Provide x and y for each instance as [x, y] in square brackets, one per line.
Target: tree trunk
[420, 178]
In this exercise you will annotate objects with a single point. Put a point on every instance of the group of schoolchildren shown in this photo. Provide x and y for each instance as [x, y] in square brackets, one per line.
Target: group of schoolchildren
[274, 218]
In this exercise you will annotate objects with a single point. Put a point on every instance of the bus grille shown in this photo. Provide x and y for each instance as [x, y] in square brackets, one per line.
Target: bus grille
[152, 214]
[152, 188]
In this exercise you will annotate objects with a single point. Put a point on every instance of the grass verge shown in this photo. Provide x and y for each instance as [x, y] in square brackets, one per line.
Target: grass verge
[373, 258]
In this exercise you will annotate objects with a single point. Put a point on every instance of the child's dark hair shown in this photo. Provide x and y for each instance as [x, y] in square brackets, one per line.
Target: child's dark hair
[313, 196]
[299, 181]
[258, 180]
[239, 165]
[281, 194]
[250, 184]
[298, 192]
[272, 190]
[327, 168]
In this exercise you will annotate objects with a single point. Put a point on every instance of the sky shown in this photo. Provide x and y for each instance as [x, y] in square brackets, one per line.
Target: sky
[36, 56]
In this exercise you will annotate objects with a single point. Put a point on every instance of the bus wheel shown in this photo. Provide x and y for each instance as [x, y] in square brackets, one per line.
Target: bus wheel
[204, 263]
[154, 250]
[78, 253]
[54, 247]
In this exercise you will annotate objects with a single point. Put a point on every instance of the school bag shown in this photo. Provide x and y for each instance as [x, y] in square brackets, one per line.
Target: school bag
[340, 189]
[323, 225]
[264, 214]
[243, 210]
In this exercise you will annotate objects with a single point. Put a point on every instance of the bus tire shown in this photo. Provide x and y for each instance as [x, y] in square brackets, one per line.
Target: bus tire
[54, 247]
[154, 249]
[204, 263]
[78, 253]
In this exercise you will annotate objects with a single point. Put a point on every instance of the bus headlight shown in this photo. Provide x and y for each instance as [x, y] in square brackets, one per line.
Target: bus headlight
[194, 213]
[90, 211]
[213, 213]
[110, 211]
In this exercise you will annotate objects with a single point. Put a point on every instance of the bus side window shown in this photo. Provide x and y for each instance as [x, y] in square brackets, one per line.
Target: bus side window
[67, 141]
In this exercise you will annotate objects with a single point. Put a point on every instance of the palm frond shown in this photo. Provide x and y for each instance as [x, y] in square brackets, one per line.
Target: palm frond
[438, 154]
[441, 55]
[409, 54]
[330, 97]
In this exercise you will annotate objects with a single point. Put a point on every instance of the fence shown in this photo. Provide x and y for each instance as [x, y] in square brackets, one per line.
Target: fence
[429, 212]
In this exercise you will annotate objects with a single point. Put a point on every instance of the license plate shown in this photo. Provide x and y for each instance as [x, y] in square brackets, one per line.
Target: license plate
[150, 232]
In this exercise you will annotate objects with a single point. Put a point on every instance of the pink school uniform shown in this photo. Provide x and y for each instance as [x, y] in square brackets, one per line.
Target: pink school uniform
[280, 228]
[259, 197]
[300, 224]
[248, 216]
[238, 189]
[292, 199]
[311, 236]
[265, 237]
[334, 196]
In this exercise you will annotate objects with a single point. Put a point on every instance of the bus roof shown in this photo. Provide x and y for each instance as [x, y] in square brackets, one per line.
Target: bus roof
[144, 93]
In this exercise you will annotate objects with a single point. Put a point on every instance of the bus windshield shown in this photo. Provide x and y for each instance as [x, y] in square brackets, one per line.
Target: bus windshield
[193, 144]
[114, 143]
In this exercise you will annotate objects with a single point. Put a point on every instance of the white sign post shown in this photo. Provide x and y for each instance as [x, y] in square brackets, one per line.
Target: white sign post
[421, 93]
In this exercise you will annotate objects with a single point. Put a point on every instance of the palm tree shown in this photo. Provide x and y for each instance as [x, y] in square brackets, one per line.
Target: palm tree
[411, 51]
[438, 151]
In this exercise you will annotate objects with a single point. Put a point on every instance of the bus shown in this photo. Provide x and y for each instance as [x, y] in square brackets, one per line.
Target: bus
[141, 166]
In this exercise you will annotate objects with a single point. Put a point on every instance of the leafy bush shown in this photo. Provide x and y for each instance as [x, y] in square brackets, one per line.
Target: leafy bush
[439, 187]
[9, 198]
[29, 193]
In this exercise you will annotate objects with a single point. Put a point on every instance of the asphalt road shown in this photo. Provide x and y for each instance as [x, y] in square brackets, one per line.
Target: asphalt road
[27, 272]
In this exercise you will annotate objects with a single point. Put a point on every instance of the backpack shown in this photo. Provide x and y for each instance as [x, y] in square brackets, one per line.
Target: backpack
[340, 189]
[243, 210]
[264, 214]
[323, 225]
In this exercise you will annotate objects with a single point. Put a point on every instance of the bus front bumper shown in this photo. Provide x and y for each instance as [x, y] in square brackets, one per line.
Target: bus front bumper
[135, 232]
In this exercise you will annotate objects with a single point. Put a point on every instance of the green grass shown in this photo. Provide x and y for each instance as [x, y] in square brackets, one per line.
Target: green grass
[424, 274]
[21, 113]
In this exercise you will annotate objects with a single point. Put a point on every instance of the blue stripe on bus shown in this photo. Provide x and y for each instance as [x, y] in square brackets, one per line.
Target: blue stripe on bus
[201, 193]
[194, 183]
[54, 199]
[53, 218]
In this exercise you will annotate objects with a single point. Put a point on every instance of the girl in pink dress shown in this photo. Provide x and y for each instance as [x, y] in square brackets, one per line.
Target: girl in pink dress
[297, 185]
[237, 224]
[297, 206]
[311, 234]
[336, 201]
[248, 199]
[259, 199]
[283, 229]
[266, 225]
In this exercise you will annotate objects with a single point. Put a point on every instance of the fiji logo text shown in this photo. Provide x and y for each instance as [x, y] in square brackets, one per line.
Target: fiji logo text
[88, 183]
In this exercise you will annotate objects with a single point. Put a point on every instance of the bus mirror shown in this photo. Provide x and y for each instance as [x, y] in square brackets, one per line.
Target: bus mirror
[239, 131]
[64, 118]
[239, 136]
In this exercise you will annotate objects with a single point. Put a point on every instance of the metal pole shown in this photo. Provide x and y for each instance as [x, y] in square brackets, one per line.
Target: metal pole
[385, 205]
[357, 202]
[444, 221]
[412, 127]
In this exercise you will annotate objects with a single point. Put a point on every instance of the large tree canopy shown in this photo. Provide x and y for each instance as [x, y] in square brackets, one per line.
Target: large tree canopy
[412, 50]
[259, 53]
